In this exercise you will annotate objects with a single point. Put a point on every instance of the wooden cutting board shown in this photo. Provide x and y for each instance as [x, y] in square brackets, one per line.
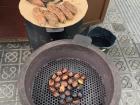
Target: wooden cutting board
[26, 11]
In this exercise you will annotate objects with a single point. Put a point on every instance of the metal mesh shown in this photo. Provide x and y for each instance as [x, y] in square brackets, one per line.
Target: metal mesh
[93, 90]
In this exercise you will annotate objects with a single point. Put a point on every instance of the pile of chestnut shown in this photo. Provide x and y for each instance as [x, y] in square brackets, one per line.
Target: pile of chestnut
[67, 86]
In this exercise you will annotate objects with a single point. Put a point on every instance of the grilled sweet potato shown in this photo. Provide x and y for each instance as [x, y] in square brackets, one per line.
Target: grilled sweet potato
[70, 6]
[66, 11]
[51, 18]
[54, 9]
[38, 15]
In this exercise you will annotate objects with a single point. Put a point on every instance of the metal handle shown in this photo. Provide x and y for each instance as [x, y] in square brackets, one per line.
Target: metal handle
[82, 40]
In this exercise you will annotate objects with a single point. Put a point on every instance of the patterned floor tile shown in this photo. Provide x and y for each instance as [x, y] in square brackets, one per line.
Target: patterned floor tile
[11, 57]
[18, 97]
[114, 52]
[134, 64]
[9, 72]
[24, 55]
[1, 54]
[130, 98]
[138, 47]
[8, 103]
[124, 40]
[2, 45]
[136, 80]
[127, 82]
[121, 65]
[129, 51]
[118, 27]
[12, 45]
[25, 45]
[8, 91]
[114, 17]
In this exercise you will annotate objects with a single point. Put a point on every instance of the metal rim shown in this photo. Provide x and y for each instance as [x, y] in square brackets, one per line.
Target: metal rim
[115, 74]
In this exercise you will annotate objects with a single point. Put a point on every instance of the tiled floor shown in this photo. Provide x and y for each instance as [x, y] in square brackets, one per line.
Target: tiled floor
[12, 56]
[125, 55]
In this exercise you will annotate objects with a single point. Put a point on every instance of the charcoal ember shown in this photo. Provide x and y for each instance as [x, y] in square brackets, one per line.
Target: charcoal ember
[64, 83]
[77, 75]
[75, 102]
[54, 76]
[62, 101]
[64, 70]
[56, 94]
[51, 82]
[57, 79]
[75, 84]
[67, 93]
[57, 85]
[59, 73]
[63, 96]
[69, 99]
[64, 77]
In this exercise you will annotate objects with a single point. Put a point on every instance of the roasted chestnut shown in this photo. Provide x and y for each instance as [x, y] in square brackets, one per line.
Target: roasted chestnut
[57, 85]
[52, 89]
[77, 75]
[62, 89]
[62, 101]
[67, 93]
[81, 81]
[51, 82]
[83, 77]
[64, 70]
[56, 94]
[70, 74]
[80, 87]
[63, 96]
[54, 76]
[69, 87]
[57, 79]
[64, 83]
[69, 99]
[74, 95]
[59, 73]
[75, 102]
[75, 84]
[64, 77]
[70, 81]
[80, 95]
